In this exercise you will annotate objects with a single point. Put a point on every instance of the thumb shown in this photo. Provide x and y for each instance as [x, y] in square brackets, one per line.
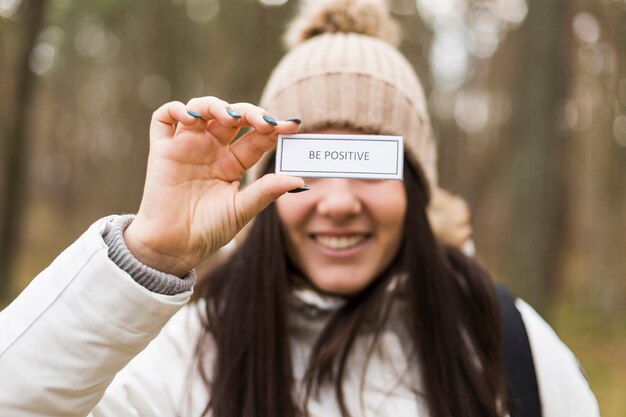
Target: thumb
[258, 195]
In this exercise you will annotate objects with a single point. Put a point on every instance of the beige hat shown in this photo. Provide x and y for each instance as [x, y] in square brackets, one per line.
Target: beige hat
[343, 71]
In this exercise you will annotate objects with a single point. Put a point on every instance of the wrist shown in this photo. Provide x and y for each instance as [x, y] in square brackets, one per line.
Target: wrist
[146, 251]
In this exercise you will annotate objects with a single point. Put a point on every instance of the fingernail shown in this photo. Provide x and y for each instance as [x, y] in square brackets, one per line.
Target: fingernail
[194, 114]
[232, 113]
[270, 120]
[295, 120]
[299, 189]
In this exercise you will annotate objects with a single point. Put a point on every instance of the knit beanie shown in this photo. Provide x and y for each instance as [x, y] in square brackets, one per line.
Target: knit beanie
[343, 70]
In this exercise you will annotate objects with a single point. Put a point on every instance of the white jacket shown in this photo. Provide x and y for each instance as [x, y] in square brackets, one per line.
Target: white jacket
[82, 320]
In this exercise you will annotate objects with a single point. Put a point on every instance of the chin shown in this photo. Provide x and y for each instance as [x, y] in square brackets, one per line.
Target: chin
[340, 285]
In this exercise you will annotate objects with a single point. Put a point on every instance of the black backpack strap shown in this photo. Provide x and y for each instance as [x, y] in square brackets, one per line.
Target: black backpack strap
[524, 399]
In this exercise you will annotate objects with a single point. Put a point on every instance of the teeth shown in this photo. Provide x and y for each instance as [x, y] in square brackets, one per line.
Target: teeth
[339, 242]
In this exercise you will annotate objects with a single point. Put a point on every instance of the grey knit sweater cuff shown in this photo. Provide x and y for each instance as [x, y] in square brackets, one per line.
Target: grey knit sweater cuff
[150, 278]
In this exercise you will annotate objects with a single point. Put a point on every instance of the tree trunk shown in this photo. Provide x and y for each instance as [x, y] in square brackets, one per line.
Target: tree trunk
[15, 158]
[539, 208]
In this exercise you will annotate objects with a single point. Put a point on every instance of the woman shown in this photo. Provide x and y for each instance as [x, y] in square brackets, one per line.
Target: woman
[338, 301]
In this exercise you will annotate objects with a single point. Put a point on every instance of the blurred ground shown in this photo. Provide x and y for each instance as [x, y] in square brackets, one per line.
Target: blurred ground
[600, 346]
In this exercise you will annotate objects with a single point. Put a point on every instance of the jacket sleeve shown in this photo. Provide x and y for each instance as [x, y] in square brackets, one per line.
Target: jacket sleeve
[73, 328]
[163, 380]
[563, 388]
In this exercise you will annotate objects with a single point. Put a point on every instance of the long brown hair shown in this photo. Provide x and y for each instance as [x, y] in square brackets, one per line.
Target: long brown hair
[452, 319]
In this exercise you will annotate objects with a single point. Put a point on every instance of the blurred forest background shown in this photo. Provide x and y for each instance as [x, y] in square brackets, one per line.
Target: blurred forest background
[528, 99]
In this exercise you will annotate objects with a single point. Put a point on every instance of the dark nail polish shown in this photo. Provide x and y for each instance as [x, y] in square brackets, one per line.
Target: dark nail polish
[295, 120]
[194, 114]
[270, 120]
[232, 113]
[299, 189]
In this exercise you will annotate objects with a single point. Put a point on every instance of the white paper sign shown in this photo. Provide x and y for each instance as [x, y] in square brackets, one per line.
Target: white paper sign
[340, 156]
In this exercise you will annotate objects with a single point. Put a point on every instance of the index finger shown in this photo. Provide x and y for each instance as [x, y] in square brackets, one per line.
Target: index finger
[164, 119]
[213, 108]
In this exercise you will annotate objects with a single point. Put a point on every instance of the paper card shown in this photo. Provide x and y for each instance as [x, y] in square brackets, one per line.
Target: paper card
[340, 156]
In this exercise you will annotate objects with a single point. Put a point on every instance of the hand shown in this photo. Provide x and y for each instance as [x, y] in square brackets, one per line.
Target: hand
[192, 204]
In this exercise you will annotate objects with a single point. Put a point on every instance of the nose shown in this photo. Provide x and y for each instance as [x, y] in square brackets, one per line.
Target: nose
[339, 201]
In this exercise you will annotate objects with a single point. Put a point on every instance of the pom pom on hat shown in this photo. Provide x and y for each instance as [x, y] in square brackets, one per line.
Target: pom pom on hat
[365, 17]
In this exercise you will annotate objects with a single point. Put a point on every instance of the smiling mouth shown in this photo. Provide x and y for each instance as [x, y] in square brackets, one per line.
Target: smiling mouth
[340, 242]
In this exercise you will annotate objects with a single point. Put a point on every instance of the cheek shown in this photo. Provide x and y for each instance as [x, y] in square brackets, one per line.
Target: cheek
[283, 211]
[390, 217]
[291, 211]
[389, 207]
[398, 220]
[292, 215]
